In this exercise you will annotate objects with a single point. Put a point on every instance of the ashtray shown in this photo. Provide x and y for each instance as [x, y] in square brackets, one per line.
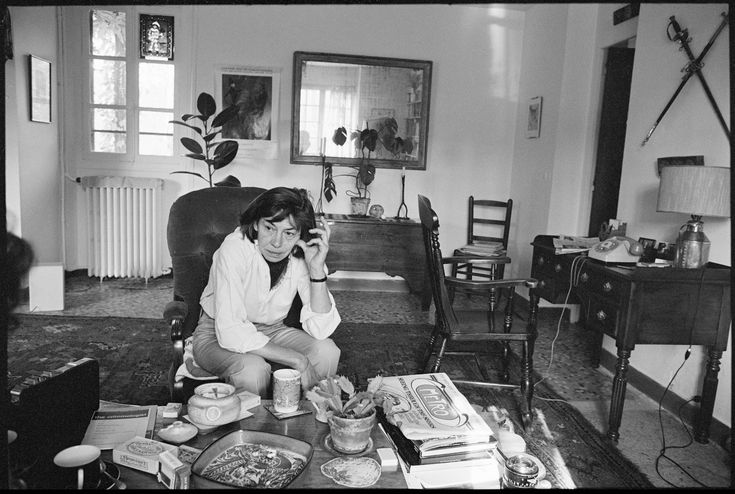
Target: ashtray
[247, 458]
[178, 432]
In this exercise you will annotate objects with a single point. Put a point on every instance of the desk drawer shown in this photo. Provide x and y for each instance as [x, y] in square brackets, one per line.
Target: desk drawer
[552, 272]
[600, 284]
[601, 315]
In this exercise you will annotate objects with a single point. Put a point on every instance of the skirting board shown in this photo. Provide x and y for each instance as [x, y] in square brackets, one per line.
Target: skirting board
[718, 432]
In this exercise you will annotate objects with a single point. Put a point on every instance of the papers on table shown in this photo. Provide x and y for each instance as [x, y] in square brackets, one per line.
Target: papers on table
[111, 426]
[568, 244]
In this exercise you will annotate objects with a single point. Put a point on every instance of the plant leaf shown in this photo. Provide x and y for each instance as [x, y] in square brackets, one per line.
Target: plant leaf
[340, 136]
[229, 181]
[224, 153]
[206, 105]
[195, 129]
[191, 173]
[345, 385]
[208, 138]
[366, 173]
[192, 145]
[225, 116]
[374, 384]
[195, 156]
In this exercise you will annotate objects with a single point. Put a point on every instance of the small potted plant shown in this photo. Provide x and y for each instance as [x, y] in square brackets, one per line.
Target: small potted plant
[364, 173]
[349, 414]
[216, 154]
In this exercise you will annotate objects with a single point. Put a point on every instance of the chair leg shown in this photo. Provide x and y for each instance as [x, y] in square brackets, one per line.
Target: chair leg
[430, 348]
[527, 384]
[439, 355]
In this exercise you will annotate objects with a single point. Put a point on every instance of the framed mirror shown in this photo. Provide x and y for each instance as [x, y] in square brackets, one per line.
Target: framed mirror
[389, 95]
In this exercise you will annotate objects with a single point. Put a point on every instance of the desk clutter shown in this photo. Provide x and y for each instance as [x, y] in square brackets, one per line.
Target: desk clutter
[434, 439]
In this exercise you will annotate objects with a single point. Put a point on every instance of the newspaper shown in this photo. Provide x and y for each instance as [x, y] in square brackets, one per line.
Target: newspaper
[567, 244]
[427, 406]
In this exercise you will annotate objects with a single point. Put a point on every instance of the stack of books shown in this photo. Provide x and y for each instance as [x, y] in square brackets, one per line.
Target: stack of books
[435, 431]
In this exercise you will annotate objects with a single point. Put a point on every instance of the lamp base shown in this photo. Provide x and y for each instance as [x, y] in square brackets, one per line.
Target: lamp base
[692, 245]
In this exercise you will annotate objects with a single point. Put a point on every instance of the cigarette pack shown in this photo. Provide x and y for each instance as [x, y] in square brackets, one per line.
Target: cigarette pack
[173, 473]
[171, 410]
[141, 454]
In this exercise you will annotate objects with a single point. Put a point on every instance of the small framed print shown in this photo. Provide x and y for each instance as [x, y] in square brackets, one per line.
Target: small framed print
[156, 37]
[534, 117]
[40, 90]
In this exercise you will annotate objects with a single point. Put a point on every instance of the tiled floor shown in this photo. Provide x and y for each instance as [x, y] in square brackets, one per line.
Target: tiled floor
[570, 373]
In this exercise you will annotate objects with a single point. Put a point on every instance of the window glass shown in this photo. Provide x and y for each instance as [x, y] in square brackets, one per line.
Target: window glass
[156, 145]
[108, 142]
[108, 82]
[108, 119]
[156, 122]
[108, 33]
[156, 85]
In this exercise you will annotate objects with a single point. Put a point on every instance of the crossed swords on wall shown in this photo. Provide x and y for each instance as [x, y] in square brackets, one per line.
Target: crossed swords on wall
[693, 67]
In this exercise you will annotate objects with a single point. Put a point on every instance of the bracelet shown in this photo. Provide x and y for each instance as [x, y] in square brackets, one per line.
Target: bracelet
[320, 280]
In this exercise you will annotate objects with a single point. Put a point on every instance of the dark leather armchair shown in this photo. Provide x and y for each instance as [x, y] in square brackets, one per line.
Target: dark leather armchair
[198, 222]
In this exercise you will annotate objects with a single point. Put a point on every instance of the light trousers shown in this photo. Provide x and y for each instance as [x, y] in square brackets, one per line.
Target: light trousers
[247, 371]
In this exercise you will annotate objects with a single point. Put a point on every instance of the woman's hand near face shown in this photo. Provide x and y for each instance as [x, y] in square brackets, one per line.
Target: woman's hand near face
[315, 250]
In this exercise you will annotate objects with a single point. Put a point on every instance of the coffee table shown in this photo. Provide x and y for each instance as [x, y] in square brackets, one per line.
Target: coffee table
[303, 427]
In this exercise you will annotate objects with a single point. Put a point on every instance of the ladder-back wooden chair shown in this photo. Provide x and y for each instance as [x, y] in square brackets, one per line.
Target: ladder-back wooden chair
[477, 326]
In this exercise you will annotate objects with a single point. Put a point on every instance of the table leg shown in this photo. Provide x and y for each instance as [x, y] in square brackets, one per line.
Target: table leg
[709, 391]
[617, 401]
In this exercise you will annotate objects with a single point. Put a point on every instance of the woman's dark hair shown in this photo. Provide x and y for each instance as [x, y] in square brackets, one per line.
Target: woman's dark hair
[18, 259]
[278, 204]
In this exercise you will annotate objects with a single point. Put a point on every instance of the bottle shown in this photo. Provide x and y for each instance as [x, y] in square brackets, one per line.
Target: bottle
[692, 246]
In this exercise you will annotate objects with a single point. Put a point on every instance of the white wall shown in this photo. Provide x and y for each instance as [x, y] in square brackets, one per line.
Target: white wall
[32, 148]
[690, 127]
[475, 52]
[552, 175]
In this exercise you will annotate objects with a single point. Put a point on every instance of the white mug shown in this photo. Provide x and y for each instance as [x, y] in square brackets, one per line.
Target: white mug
[85, 459]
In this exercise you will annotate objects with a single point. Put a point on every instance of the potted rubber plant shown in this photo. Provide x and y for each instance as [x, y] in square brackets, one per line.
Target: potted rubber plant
[350, 414]
[215, 154]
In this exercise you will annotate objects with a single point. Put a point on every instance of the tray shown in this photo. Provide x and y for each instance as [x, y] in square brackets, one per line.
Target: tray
[245, 458]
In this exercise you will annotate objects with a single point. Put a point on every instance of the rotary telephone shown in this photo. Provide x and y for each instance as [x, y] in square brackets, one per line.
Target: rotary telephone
[616, 250]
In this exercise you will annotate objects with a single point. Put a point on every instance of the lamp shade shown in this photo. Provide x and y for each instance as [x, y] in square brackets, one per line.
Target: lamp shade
[695, 190]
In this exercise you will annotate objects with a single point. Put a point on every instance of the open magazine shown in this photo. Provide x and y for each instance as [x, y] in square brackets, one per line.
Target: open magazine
[430, 410]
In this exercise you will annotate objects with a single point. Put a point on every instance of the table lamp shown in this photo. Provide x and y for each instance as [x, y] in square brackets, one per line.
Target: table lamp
[699, 191]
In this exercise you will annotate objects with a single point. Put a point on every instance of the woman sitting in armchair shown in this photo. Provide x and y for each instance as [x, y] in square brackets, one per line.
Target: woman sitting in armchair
[275, 253]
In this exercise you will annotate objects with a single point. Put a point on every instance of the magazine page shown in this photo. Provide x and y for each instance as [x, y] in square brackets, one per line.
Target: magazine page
[428, 406]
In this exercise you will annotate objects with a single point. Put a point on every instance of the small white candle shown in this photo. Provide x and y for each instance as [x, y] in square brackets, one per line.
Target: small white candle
[323, 147]
[403, 171]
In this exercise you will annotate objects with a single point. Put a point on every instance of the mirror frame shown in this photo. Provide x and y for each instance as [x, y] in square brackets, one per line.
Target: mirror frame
[300, 58]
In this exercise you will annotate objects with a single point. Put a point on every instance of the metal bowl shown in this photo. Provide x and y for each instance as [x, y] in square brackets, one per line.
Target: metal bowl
[248, 459]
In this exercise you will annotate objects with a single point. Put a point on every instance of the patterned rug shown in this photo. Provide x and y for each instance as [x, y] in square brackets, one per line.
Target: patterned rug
[133, 355]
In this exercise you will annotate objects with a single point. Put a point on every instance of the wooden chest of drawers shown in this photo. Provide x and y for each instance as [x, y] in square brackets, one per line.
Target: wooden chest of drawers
[552, 271]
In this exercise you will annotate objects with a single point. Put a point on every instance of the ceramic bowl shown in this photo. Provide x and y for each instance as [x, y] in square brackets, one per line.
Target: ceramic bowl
[214, 404]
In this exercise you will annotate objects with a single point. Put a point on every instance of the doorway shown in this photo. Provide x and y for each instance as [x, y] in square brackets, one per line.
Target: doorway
[611, 141]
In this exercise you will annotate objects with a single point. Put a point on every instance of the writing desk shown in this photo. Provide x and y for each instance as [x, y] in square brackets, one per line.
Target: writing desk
[394, 247]
[657, 306]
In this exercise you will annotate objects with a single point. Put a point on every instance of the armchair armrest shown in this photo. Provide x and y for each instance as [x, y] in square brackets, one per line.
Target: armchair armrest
[174, 314]
[453, 282]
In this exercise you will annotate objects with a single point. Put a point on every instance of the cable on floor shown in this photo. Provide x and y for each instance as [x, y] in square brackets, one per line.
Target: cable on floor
[662, 453]
[574, 273]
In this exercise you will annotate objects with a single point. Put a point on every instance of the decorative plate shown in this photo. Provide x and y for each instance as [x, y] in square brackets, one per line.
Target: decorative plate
[246, 458]
[352, 472]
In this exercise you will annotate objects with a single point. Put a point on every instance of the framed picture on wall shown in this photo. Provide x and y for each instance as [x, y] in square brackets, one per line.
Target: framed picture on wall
[255, 91]
[40, 89]
[534, 117]
[156, 37]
